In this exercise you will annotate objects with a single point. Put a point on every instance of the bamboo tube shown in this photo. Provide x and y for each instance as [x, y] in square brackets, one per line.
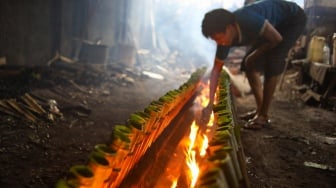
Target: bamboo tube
[131, 133]
[139, 125]
[234, 155]
[224, 138]
[100, 168]
[133, 155]
[63, 184]
[139, 135]
[223, 160]
[212, 178]
[110, 156]
[120, 143]
[81, 176]
[108, 153]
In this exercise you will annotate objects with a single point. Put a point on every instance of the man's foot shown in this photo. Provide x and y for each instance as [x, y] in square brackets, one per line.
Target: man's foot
[257, 124]
[248, 115]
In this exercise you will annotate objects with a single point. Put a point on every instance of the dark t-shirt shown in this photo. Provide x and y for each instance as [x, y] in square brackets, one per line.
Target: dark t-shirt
[251, 20]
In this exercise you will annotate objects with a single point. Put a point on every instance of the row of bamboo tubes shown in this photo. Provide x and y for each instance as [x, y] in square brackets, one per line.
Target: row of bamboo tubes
[225, 163]
[108, 164]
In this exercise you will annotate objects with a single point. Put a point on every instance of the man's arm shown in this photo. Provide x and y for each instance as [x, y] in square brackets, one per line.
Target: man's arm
[216, 69]
[272, 38]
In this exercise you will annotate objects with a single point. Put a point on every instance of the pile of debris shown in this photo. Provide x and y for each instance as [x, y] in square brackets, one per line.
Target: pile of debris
[28, 108]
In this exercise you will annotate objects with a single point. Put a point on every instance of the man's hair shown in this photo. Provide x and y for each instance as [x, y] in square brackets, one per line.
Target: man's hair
[215, 21]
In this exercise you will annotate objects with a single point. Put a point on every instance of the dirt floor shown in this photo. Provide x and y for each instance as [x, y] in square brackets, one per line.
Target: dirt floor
[298, 150]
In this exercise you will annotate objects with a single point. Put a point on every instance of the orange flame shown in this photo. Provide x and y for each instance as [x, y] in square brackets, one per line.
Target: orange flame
[174, 184]
[191, 155]
[198, 140]
[193, 167]
[204, 96]
[204, 146]
[192, 135]
[203, 100]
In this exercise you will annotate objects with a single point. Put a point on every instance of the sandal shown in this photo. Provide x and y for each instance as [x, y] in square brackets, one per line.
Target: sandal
[257, 124]
[248, 115]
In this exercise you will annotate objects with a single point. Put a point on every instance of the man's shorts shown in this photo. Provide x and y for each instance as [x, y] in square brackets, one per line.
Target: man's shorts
[273, 62]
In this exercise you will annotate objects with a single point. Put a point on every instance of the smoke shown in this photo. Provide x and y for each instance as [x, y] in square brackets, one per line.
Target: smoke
[175, 25]
[166, 25]
[239, 81]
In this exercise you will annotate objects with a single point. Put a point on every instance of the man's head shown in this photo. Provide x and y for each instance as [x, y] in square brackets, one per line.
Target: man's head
[216, 21]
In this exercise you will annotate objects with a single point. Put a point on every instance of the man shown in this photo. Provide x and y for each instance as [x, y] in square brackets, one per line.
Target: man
[270, 28]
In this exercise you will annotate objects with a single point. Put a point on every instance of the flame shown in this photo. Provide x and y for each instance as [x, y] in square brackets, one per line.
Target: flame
[192, 136]
[193, 167]
[195, 144]
[203, 100]
[204, 146]
[198, 143]
[191, 155]
[204, 96]
[174, 184]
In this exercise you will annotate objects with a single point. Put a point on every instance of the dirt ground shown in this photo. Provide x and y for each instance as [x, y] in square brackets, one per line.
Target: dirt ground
[293, 151]
[290, 153]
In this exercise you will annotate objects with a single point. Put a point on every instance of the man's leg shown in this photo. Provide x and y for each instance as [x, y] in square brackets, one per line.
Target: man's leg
[256, 86]
[263, 99]
[263, 95]
[263, 92]
[253, 72]
[268, 92]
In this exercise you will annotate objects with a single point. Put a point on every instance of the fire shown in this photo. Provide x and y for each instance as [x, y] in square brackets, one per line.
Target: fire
[174, 184]
[203, 98]
[196, 143]
[191, 155]
[193, 167]
[196, 148]
[204, 145]
[192, 136]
